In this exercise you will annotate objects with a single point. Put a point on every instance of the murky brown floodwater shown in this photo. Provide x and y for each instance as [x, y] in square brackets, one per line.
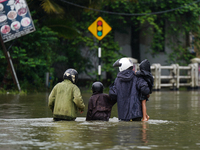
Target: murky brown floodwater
[26, 123]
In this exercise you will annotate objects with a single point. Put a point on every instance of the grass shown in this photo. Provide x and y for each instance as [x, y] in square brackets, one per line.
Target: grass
[13, 92]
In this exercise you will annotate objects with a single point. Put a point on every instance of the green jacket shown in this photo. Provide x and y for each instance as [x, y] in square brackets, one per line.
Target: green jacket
[65, 100]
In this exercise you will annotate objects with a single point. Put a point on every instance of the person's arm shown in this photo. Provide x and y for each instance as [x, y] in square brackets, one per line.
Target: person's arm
[52, 98]
[110, 101]
[78, 100]
[89, 112]
[113, 92]
[143, 88]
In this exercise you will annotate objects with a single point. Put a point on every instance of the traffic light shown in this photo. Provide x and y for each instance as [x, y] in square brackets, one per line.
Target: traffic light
[99, 28]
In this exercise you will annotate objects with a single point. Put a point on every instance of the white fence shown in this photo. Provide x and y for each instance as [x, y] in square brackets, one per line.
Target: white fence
[186, 76]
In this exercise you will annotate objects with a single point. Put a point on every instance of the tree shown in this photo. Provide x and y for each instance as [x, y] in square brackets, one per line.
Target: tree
[166, 21]
[62, 38]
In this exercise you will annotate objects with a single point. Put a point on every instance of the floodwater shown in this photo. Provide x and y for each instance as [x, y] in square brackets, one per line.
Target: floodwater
[26, 123]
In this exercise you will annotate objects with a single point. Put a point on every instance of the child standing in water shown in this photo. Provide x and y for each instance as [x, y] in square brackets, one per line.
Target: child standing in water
[145, 73]
[100, 104]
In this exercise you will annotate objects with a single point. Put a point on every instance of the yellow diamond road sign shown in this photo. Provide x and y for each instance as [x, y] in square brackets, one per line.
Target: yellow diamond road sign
[99, 28]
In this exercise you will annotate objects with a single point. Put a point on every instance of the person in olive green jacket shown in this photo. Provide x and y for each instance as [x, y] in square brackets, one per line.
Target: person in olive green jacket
[65, 99]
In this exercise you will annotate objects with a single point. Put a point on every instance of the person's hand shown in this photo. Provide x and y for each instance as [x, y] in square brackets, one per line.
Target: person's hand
[148, 96]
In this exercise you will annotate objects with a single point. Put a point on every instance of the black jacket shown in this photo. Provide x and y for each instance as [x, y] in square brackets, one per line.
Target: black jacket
[99, 107]
[126, 90]
[145, 73]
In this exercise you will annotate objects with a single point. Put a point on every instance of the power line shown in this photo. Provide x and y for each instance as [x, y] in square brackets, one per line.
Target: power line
[126, 14]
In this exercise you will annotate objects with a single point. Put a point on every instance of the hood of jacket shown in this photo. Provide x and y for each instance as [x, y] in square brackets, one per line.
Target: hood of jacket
[147, 76]
[126, 75]
[145, 72]
[145, 66]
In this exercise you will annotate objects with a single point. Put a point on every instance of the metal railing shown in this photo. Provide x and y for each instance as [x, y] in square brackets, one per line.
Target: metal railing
[178, 76]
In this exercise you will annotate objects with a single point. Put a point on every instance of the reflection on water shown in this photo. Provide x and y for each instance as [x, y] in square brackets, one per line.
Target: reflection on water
[45, 134]
[157, 99]
[26, 123]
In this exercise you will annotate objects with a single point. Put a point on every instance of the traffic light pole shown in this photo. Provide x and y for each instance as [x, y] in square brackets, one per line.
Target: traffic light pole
[99, 28]
[9, 60]
[99, 55]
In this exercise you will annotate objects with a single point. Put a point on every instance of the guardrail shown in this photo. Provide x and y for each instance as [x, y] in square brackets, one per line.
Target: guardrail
[178, 76]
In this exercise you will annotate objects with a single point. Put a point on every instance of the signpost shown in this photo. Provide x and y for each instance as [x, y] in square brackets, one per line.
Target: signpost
[15, 21]
[99, 28]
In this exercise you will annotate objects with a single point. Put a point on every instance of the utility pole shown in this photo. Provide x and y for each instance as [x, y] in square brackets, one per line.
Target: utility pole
[9, 60]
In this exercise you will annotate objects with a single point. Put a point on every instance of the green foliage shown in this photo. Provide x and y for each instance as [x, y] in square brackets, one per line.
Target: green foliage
[62, 37]
[180, 55]
[63, 27]
[32, 56]
[166, 28]
[50, 6]
[13, 92]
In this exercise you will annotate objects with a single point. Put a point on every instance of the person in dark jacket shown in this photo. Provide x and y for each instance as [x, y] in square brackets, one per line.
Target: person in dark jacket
[126, 89]
[145, 73]
[100, 104]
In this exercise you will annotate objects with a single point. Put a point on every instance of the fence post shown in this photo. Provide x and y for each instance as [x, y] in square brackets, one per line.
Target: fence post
[192, 75]
[174, 77]
[172, 73]
[196, 75]
[177, 76]
[154, 73]
[159, 76]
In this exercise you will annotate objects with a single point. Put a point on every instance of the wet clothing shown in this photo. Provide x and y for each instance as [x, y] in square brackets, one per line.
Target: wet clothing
[99, 107]
[65, 100]
[145, 73]
[126, 90]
